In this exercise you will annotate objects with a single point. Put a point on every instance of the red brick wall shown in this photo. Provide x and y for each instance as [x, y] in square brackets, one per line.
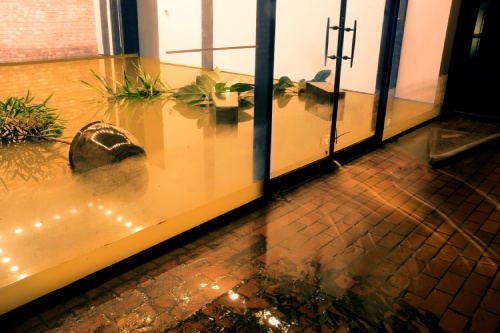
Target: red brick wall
[32, 30]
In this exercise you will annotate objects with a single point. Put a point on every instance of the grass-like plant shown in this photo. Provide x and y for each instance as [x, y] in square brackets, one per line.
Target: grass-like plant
[21, 119]
[145, 87]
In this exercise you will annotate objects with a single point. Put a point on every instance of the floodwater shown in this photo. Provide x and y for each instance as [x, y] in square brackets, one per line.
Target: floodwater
[196, 167]
[51, 215]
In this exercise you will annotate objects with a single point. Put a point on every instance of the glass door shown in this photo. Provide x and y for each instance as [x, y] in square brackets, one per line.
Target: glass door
[303, 84]
[325, 74]
[359, 36]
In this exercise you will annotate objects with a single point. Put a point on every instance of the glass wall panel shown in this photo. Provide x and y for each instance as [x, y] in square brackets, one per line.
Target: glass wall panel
[417, 89]
[69, 208]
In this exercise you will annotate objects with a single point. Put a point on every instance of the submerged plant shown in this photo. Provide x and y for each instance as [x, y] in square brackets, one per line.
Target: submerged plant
[285, 86]
[146, 86]
[198, 93]
[21, 119]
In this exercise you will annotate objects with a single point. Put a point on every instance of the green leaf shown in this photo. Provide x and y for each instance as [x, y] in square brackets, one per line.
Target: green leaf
[104, 83]
[321, 76]
[220, 87]
[285, 81]
[198, 102]
[188, 93]
[205, 83]
[215, 74]
[245, 103]
[241, 87]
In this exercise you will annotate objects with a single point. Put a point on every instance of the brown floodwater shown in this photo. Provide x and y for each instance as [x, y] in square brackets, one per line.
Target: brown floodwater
[196, 167]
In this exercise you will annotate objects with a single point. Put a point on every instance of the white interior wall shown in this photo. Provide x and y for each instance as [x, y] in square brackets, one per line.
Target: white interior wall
[422, 49]
[235, 25]
[179, 24]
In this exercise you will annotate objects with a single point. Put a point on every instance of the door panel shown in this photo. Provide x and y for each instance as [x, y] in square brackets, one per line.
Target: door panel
[301, 122]
[357, 112]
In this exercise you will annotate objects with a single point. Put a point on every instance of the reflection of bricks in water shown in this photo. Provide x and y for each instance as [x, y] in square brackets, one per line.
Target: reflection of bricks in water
[33, 30]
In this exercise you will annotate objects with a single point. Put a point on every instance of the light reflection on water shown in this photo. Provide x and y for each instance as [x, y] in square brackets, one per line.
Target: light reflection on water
[190, 162]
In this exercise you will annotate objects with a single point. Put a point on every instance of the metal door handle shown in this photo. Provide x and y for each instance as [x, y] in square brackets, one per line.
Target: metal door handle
[328, 27]
[353, 40]
[327, 40]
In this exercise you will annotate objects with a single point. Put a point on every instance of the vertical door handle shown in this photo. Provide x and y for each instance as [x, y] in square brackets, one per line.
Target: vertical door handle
[353, 46]
[328, 27]
[327, 37]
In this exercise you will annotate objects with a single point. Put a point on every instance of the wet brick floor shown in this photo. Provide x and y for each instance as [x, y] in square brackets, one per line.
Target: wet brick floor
[384, 243]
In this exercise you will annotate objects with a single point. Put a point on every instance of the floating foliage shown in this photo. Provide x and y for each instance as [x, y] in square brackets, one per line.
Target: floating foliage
[145, 87]
[21, 119]
[198, 93]
[285, 89]
[285, 86]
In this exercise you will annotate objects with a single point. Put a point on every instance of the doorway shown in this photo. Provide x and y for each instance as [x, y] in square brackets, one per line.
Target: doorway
[325, 80]
[474, 78]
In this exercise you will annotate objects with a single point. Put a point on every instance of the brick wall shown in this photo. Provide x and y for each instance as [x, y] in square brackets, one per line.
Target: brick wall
[32, 30]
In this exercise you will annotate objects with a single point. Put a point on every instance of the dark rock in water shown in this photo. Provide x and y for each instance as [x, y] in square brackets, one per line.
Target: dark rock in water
[99, 144]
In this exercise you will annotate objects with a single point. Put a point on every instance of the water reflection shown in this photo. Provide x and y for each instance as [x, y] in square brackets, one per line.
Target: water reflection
[209, 117]
[31, 162]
